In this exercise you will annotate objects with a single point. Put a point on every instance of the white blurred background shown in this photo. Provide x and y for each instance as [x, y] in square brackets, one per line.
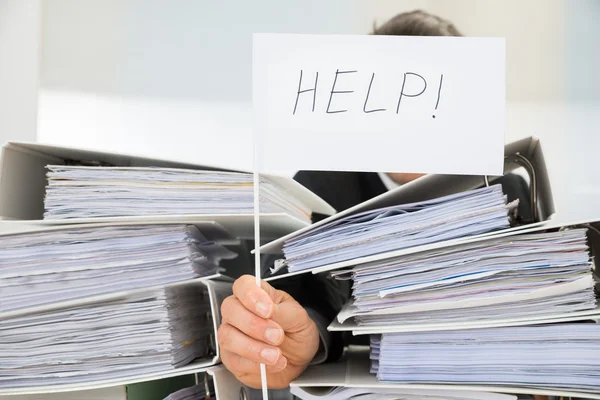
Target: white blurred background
[172, 79]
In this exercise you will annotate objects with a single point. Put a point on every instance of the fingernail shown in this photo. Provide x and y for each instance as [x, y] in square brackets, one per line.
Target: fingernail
[280, 364]
[273, 335]
[263, 309]
[270, 355]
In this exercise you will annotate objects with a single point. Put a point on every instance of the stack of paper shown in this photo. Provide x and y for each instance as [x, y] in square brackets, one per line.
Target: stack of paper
[399, 227]
[152, 332]
[351, 374]
[521, 276]
[197, 392]
[558, 356]
[57, 265]
[91, 192]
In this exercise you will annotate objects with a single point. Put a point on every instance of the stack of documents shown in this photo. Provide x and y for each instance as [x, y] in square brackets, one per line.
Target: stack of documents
[96, 192]
[352, 375]
[565, 356]
[522, 276]
[52, 266]
[400, 227]
[145, 333]
[197, 392]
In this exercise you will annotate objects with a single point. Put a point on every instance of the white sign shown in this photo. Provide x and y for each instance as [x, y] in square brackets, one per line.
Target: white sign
[379, 103]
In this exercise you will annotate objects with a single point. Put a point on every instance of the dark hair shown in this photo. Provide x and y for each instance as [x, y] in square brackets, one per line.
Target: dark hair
[417, 23]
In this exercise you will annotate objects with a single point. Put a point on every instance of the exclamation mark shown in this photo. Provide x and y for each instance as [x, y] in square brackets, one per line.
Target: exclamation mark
[439, 93]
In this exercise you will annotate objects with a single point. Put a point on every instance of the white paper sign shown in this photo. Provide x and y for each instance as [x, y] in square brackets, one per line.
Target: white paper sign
[379, 103]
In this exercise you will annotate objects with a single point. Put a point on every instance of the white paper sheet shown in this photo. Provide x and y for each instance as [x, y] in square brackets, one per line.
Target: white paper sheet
[460, 88]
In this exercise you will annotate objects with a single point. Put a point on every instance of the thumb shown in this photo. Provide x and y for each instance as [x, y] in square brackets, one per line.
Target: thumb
[259, 300]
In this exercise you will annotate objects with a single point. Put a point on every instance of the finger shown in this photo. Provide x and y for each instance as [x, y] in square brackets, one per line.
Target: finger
[240, 365]
[235, 314]
[259, 300]
[282, 309]
[232, 339]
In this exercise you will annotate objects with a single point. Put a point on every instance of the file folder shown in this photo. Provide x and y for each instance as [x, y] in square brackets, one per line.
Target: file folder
[353, 371]
[214, 292]
[218, 382]
[23, 183]
[557, 356]
[46, 267]
[523, 156]
[226, 385]
[344, 322]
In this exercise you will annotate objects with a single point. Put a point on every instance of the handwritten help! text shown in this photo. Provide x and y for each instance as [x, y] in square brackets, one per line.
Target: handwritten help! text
[413, 85]
[379, 103]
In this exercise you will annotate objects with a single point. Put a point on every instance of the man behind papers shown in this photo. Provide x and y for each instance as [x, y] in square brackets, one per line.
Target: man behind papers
[285, 326]
[241, 352]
